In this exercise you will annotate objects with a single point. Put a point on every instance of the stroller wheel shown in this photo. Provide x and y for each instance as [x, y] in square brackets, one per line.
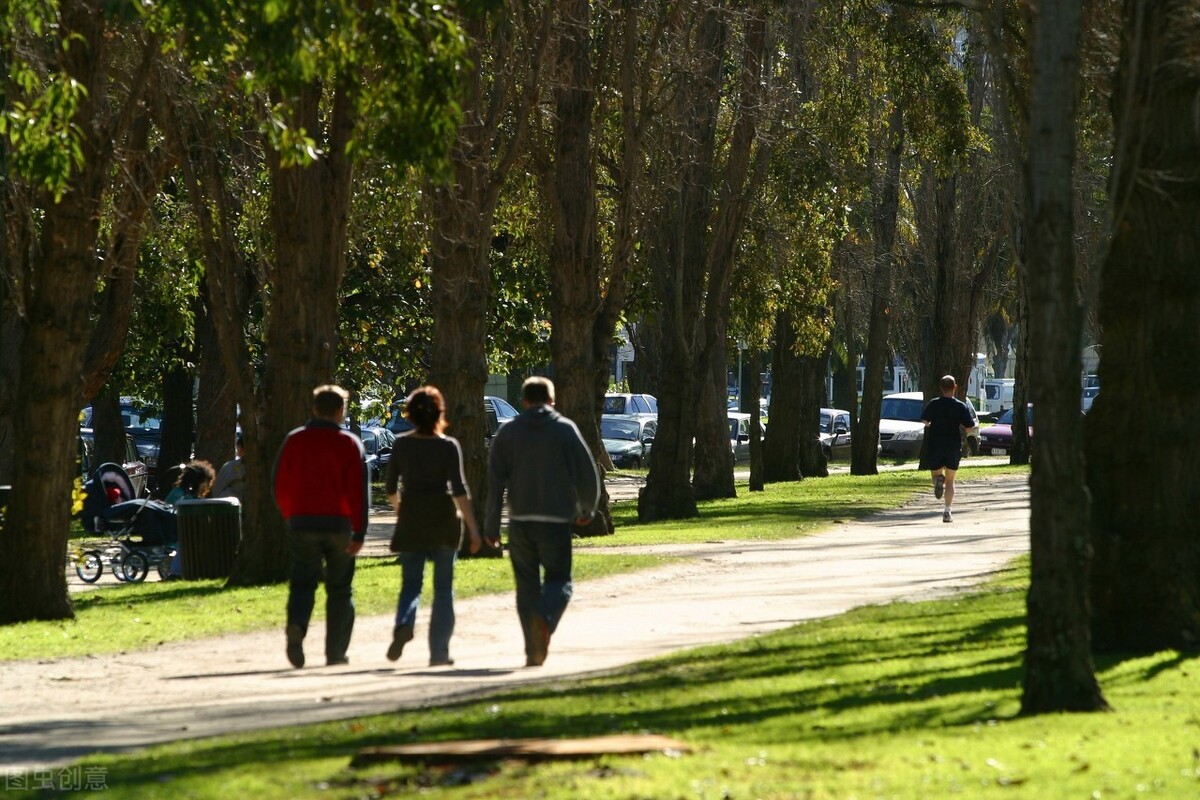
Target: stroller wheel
[116, 563]
[88, 566]
[135, 567]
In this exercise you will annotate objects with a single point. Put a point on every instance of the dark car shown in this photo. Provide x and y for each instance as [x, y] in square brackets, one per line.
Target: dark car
[143, 422]
[997, 440]
[138, 472]
[496, 412]
[627, 440]
[377, 442]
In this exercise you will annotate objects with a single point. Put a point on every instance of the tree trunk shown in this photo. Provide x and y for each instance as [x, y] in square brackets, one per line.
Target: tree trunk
[1142, 468]
[108, 427]
[679, 264]
[813, 463]
[58, 299]
[463, 226]
[178, 422]
[863, 450]
[1058, 662]
[781, 451]
[309, 211]
[574, 250]
[216, 405]
[751, 394]
[744, 165]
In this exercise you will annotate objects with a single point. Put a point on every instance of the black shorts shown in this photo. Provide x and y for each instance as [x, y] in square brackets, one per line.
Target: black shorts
[938, 459]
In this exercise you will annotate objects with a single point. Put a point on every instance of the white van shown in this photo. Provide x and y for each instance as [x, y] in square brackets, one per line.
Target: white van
[998, 394]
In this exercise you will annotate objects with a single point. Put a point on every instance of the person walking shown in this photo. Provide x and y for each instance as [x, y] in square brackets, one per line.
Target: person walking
[944, 417]
[540, 461]
[321, 491]
[427, 489]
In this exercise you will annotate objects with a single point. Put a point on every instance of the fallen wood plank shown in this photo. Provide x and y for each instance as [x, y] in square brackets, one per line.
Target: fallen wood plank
[531, 749]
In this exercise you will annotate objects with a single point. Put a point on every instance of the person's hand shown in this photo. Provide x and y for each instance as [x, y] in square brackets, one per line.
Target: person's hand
[476, 542]
[353, 546]
[582, 521]
[492, 541]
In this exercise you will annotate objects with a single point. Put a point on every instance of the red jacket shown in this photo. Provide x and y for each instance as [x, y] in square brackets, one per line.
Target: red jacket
[321, 480]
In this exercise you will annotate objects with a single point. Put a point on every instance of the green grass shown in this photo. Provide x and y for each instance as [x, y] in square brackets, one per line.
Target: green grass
[898, 701]
[785, 510]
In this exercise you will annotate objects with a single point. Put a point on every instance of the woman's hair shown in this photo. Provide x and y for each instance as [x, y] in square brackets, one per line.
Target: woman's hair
[197, 478]
[426, 409]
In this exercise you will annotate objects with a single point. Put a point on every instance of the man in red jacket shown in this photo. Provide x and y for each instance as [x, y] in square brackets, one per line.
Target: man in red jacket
[321, 491]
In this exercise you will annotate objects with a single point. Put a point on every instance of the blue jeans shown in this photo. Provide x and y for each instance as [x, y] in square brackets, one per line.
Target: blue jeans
[534, 547]
[412, 577]
[310, 552]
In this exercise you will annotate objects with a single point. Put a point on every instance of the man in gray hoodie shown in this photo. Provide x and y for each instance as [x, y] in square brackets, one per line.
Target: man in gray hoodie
[545, 467]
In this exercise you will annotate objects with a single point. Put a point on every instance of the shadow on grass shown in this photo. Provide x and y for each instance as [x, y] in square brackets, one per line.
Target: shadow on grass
[895, 669]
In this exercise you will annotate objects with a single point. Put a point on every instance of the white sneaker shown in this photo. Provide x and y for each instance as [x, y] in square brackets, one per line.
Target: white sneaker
[947, 516]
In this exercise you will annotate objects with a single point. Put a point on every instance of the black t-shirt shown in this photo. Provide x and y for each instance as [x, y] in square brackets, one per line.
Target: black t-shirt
[945, 415]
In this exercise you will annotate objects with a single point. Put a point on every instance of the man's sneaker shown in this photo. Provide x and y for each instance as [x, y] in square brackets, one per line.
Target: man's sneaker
[295, 646]
[337, 662]
[939, 487]
[441, 662]
[539, 634]
[401, 636]
[947, 516]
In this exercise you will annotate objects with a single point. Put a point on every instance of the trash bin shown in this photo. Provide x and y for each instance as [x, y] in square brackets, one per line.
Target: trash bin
[210, 530]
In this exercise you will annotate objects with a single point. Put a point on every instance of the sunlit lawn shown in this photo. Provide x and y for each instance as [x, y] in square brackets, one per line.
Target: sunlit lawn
[899, 701]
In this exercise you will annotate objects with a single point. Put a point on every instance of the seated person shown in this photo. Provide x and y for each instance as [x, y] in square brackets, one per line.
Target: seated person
[195, 481]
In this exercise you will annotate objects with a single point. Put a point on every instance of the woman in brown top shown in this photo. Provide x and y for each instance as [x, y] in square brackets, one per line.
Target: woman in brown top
[431, 507]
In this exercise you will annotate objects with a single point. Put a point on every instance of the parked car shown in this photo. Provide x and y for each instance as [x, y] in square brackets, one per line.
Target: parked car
[627, 440]
[739, 435]
[140, 420]
[138, 472]
[901, 430]
[377, 442]
[1089, 397]
[997, 440]
[835, 433]
[499, 411]
[630, 404]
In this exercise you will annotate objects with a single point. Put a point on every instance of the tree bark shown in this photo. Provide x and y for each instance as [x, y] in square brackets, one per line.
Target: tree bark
[781, 451]
[742, 174]
[1142, 468]
[813, 463]
[216, 405]
[863, 451]
[464, 213]
[33, 582]
[1059, 675]
[310, 206]
[108, 427]
[679, 265]
[751, 394]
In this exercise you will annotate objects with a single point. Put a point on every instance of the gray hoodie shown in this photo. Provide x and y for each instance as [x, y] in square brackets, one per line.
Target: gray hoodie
[547, 469]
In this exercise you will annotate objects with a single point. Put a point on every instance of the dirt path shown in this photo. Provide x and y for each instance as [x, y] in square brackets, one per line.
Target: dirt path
[55, 711]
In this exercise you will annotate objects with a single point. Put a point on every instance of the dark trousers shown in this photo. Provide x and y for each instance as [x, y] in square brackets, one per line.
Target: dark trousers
[313, 553]
[534, 548]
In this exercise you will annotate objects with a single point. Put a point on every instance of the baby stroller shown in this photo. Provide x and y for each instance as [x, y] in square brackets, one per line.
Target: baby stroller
[141, 532]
